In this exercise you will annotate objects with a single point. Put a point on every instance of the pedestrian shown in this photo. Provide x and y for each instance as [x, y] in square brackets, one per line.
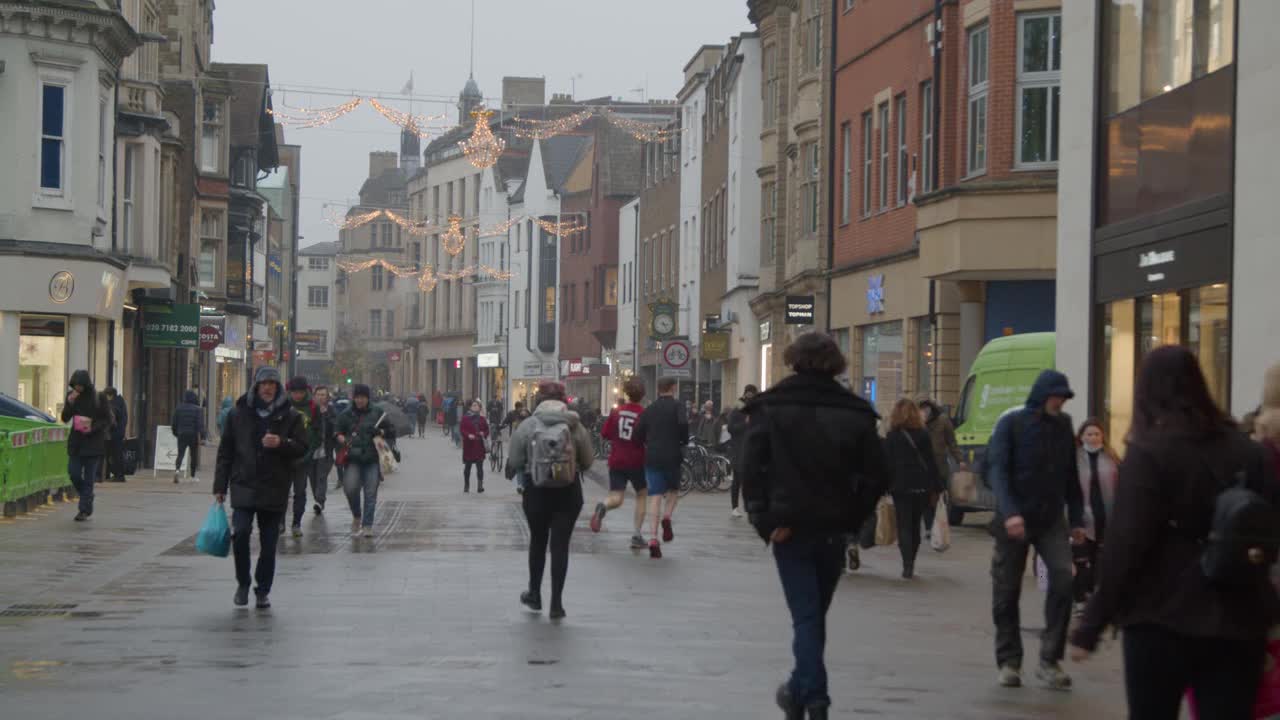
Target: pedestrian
[261, 439]
[357, 429]
[187, 425]
[227, 404]
[475, 435]
[946, 452]
[707, 429]
[551, 449]
[321, 432]
[1031, 465]
[914, 477]
[737, 433]
[451, 412]
[1099, 468]
[1181, 630]
[119, 427]
[1267, 422]
[437, 406]
[513, 419]
[423, 411]
[626, 460]
[300, 399]
[89, 412]
[664, 430]
[813, 469]
[691, 413]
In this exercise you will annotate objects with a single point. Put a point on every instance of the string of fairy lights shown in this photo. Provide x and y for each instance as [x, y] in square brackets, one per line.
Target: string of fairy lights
[453, 237]
[303, 118]
[427, 276]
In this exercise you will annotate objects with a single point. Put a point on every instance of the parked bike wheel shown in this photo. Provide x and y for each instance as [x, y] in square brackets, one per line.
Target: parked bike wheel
[687, 476]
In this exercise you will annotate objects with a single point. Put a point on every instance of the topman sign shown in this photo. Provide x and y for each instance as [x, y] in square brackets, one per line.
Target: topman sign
[1153, 258]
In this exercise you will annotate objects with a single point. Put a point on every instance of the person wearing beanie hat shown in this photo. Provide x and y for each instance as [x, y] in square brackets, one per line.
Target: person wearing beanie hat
[737, 426]
[261, 440]
[300, 398]
[357, 429]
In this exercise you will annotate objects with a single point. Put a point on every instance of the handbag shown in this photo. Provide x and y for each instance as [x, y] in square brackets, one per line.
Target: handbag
[214, 537]
[940, 533]
[886, 522]
[964, 487]
[82, 424]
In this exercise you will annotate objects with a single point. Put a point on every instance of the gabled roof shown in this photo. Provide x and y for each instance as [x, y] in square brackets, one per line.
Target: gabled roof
[252, 124]
[320, 248]
[559, 156]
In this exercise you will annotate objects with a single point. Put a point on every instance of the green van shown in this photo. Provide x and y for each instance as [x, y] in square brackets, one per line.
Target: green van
[999, 381]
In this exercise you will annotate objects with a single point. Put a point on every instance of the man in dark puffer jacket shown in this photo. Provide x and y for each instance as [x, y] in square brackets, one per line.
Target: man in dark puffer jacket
[86, 445]
[188, 427]
[813, 470]
[261, 440]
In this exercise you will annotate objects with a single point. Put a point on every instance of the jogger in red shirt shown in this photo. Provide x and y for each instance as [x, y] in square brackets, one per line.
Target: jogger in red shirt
[626, 460]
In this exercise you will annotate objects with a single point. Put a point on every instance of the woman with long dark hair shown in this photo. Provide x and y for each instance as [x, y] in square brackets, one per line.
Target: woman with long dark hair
[1180, 630]
[475, 434]
[1099, 470]
[915, 476]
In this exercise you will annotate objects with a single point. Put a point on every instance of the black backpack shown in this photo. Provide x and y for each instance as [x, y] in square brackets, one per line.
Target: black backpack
[1244, 537]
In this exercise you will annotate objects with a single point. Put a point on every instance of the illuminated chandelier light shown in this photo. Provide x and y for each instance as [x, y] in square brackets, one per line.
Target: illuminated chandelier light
[483, 148]
[454, 239]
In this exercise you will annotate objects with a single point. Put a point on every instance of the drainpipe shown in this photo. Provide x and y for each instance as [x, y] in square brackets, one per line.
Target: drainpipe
[935, 172]
[831, 162]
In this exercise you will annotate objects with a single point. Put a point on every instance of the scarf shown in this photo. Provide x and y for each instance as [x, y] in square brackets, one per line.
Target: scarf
[1096, 503]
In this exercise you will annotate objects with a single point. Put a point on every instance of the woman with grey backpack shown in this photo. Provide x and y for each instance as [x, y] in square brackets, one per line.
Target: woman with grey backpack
[551, 449]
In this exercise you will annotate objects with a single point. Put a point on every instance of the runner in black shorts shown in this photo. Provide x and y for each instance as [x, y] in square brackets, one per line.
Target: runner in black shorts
[626, 460]
[664, 430]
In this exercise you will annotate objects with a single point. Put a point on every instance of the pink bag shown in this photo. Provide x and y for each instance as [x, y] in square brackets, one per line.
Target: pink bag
[1268, 703]
[82, 423]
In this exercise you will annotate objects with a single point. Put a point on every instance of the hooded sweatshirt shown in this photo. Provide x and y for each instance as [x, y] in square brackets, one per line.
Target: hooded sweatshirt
[93, 405]
[259, 477]
[1031, 460]
[188, 417]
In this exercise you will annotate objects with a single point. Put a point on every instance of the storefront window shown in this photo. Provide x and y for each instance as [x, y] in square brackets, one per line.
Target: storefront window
[882, 365]
[1197, 319]
[42, 372]
[924, 355]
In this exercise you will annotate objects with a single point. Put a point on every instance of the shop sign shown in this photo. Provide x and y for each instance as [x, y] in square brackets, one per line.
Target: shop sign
[226, 353]
[393, 356]
[766, 331]
[488, 360]
[875, 294]
[573, 368]
[540, 369]
[210, 337]
[800, 309]
[61, 286]
[599, 370]
[715, 346]
[1193, 260]
[171, 326]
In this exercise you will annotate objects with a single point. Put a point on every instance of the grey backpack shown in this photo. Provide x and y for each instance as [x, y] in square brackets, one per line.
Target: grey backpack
[552, 463]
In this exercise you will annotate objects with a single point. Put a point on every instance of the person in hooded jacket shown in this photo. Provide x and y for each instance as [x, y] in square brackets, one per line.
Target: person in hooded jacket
[115, 449]
[300, 399]
[551, 512]
[946, 452]
[915, 477]
[1180, 630]
[423, 411]
[187, 426]
[89, 412]
[357, 429]
[475, 433]
[813, 469]
[261, 440]
[1031, 465]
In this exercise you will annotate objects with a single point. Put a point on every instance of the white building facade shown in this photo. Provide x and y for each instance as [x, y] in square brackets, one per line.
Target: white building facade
[317, 310]
[626, 354]
[742, 276]
[61, 289]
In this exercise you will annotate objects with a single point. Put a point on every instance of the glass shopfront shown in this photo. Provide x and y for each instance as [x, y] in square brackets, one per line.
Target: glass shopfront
[42, 360]
[1197, 318]
[883, 361]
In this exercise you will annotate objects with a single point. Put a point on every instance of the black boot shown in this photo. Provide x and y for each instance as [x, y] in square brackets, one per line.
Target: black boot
[818, 712]
[242, 595]
[531, 600]
[790, 710]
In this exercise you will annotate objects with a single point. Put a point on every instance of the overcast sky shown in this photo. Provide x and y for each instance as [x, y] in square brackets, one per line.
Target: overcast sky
[619, 48]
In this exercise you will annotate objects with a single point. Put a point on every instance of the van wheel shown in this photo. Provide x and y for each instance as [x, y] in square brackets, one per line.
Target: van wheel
[955, 516]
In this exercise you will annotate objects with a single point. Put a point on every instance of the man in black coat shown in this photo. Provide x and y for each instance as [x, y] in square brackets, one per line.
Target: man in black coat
[115, 448]
[188, 427]
[813, 469]
[89, 413]
[261, 440]
[737, 433]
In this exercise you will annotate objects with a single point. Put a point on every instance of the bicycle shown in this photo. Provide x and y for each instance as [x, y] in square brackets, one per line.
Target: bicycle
[703, 469]
[496, 451]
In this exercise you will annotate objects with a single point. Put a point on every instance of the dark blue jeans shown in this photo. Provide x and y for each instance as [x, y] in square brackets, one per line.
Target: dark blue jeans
[268, 537]
[84, 471]
[810, 568]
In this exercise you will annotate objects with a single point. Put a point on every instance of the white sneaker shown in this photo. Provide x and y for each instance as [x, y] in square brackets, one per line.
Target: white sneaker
[194, 479]
[367, 532]
[736, 513]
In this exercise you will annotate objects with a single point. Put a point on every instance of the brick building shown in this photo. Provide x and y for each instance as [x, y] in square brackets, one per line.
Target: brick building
[944, 222]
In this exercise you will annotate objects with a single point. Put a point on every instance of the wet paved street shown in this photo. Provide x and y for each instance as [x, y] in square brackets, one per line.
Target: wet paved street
[120, 618]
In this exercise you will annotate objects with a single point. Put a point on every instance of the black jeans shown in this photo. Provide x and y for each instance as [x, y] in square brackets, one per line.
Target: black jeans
[909, 508]
[1085, 557]
[809, 567]
[1160, 664]
[1008, 565]
[551, 514]
[186, 442]
[268, 535]
[299, 480]
[466, 474]
[115, 458]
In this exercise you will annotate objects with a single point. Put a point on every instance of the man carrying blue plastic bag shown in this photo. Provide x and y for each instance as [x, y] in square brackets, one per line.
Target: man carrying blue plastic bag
[214, 537]
[261, 439]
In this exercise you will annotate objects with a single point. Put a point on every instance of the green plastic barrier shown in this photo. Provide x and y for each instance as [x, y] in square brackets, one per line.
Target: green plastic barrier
[33, 458]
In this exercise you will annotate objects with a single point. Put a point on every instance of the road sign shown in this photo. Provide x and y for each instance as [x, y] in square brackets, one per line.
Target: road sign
[676, 355]
[166, 450]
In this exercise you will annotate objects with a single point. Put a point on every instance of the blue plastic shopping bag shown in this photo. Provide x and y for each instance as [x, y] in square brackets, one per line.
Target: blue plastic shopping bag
[214, 537]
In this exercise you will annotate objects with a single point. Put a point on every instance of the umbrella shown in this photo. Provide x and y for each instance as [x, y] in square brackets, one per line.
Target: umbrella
[396, 418]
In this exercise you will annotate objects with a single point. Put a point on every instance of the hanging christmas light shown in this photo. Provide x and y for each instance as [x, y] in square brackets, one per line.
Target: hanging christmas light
[414, 227]
[483, 148]
[543, 129]
[314, 117]
[454, 239]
